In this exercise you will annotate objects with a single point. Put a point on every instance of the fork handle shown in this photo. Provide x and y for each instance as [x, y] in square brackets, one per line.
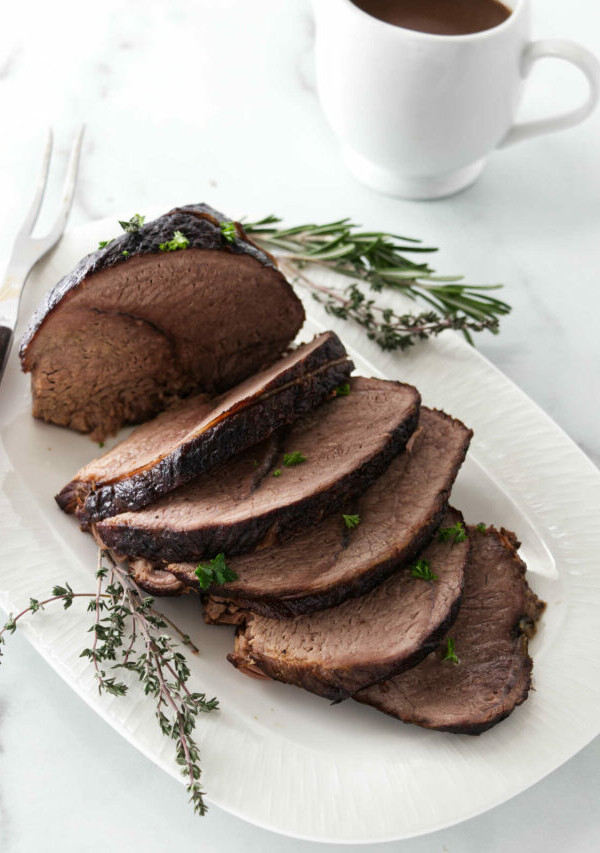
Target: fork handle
[6, 335]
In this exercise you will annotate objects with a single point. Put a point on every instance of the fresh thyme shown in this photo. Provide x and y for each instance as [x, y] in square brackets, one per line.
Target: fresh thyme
[378, 259]
[343, 390]
[129, 634]
[351, 521]
[215, 572]
[449, 654]
[179, 241]
[295, 458]
[456, 533]
[422, 570]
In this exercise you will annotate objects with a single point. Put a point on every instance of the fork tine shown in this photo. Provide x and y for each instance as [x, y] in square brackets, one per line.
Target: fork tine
[32, 214]
[68, 192]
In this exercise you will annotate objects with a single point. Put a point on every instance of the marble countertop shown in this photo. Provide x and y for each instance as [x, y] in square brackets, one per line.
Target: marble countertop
[214, 100]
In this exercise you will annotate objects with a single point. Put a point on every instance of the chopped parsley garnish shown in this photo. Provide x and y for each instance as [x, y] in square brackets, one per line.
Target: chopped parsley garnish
[291, 459]
[100, 444]
[421, 569]
[132, 225]
[449, 653]
[179, 241]
[215, 572]
[481, 527]
[125, 252]
[343, 390]
[229, 231]
[277, 472]
[456, 533]
[104, 243]
[351, 521]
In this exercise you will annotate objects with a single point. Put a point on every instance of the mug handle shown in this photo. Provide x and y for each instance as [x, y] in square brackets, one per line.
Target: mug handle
[576, 55]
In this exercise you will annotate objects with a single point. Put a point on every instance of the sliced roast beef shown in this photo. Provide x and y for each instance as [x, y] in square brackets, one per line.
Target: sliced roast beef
[338, 651]
[199, 434]
[150, 318]
[324, 566]
[345, 444]
[492, 673]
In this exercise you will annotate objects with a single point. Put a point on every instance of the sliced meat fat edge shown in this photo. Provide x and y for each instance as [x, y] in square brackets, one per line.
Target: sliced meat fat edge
[492, 675]
[261, 496]
[336, 652]
[323, 566]
[200, 433]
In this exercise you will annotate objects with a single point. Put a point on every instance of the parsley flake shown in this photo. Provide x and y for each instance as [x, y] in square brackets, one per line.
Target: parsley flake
[421, 569]
[277, 472]
[481, 527]
[132, 225]
[104, 243]
[351, 521]
[125, 252]
[291, 459]
[456, 533]
[215, 572]
[229, 231]
[179, 241]
[449, 653]
[343, 390]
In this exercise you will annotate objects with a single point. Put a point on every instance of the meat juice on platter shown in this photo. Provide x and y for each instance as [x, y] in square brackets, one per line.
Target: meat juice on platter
[338, 579]
[439, 17]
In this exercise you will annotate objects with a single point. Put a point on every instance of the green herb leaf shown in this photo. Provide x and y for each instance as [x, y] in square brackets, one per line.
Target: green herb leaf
[343, 390]
[351, 521]
[456, 533]
[379, 260]
[481, 527]
[179, 241]
[291, 459]
[277, 472]
[229, 232]
[421, 569]
[104, 243]
[125, 252]
[132, 225]
[215, 572]
[449, 653]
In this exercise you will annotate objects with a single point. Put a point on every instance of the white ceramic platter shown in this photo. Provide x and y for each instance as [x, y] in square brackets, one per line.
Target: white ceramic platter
[284, 759]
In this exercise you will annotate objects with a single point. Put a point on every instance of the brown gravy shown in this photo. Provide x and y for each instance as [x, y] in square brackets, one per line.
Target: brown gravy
[440, 17]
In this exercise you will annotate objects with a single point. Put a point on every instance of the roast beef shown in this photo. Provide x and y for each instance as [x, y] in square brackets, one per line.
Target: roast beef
[179, 444]
[346, 444]
[336, 652]
[324, 566]
[493, 674]
[134, 325]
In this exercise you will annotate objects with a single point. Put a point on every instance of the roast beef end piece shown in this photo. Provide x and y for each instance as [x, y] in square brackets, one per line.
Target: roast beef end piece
[323, 566]
[336, 652]
[347, 443]
[201, 433]
[498, 613]
[132, 327]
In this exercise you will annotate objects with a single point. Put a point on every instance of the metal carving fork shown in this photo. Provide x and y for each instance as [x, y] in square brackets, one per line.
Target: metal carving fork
[28, 250]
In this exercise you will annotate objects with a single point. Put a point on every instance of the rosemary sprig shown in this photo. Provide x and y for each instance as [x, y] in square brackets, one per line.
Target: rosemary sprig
[128, 633]
[378, 259]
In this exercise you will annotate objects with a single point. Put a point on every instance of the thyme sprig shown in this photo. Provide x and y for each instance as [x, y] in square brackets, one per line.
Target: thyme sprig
[378, 259]
[129, 634]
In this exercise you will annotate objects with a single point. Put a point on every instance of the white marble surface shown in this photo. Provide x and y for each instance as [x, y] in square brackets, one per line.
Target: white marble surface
[214, 100]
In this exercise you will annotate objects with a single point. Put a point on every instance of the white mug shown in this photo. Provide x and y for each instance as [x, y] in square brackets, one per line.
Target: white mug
[418, 114]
